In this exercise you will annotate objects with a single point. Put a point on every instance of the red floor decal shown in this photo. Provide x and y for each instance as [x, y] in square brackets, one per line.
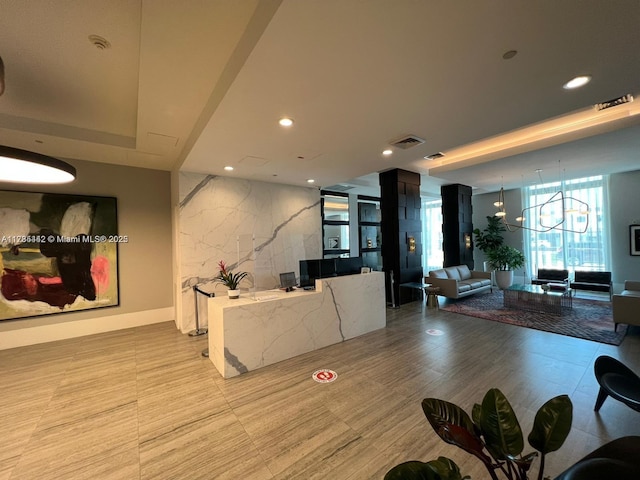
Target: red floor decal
[433, 331]
[324, 376]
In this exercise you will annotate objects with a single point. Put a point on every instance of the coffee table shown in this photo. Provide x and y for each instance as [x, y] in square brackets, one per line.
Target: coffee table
[533, 298]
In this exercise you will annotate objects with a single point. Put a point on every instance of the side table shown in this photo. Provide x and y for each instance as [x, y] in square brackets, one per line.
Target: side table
[417, 285]
[432, 297]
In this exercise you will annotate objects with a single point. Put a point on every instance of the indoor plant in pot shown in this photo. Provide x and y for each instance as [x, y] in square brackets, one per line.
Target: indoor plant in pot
[491, 237]
[229, 280]
[505, 259]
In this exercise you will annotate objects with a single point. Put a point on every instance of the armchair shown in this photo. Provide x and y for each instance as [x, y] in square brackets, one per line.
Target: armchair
[549, 275]
[626, 304]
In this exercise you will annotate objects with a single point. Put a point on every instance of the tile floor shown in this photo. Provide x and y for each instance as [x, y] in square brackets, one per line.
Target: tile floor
[144, 404]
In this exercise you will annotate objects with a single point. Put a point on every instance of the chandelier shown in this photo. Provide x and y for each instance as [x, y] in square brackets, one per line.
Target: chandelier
[551, 214]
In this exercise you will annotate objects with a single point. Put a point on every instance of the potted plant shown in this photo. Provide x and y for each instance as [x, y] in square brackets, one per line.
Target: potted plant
[229, 280]
[492, 434]
[505, 259]
[491, 237]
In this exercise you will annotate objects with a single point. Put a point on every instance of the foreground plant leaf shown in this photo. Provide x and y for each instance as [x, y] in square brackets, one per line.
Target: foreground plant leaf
[500, 427]
[525, 462]
[447, 469]
[441, 469]
[552, 424]
[454, 426]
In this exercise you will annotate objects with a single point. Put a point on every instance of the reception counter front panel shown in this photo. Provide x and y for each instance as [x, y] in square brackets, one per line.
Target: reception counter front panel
[247, 334]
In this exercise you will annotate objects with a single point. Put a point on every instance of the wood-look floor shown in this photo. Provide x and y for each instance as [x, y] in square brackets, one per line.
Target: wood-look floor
[144, 404]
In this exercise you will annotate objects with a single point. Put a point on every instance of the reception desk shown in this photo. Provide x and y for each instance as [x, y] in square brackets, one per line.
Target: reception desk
[246, 334]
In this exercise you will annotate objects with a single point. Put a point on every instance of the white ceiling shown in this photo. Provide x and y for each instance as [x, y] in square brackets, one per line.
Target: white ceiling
[198, 85]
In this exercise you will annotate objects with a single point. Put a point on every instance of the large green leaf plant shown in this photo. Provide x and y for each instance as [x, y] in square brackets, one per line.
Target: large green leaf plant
[493, 435]
[491, 237]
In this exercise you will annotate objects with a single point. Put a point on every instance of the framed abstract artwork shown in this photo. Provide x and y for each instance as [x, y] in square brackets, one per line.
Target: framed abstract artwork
[58, 253]
[634, 239]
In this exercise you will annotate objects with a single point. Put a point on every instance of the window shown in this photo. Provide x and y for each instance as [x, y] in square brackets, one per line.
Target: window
[563, 247]
[433, 257]
[335, 224]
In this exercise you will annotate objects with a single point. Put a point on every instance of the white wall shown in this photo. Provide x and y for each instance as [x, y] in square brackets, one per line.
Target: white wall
[145, 279]
[213, 212]
[624, 208]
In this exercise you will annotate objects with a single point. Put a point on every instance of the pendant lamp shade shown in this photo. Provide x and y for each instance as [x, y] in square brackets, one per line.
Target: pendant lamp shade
[22, 166]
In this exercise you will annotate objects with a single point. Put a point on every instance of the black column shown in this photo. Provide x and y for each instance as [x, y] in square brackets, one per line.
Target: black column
[457, 227]
[401, 231]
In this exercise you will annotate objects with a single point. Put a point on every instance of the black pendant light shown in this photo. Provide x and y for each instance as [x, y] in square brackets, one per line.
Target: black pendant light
[22, 166]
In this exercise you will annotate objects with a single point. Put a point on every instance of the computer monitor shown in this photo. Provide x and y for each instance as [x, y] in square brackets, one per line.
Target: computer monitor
[287, 280]
[327, 268]
[348, 266]
[310, 270]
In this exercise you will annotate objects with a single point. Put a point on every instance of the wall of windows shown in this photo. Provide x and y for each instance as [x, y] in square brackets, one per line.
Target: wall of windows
[564, 246]
[433, 255]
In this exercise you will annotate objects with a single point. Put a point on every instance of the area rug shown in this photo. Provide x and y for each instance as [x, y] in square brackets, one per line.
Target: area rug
[588, 319]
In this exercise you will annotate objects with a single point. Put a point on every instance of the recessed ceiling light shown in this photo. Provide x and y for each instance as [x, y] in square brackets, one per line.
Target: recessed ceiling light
[286, 122]
[387, 152]
[577, 82]
[228, 168]
[311, 180]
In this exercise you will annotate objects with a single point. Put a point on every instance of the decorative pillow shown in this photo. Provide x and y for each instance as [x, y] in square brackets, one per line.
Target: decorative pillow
[452, 272]
[464, 272]
[438, 274]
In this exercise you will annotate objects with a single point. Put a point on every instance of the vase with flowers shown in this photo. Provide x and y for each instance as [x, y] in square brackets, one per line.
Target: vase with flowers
[229, 280]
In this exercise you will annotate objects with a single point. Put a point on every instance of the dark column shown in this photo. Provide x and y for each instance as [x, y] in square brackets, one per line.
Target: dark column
[401, 231]
[457, 227]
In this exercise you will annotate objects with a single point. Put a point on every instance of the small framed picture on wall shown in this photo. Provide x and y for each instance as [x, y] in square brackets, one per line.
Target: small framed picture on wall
[634, 239]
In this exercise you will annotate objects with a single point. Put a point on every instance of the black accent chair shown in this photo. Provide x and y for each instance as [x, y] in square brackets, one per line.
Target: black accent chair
[592, 281]
[616, 381]
[619, 459]
[549, 275]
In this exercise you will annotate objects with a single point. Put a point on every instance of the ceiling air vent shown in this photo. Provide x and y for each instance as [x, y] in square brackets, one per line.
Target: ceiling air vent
[407, 142]
[434, 156]
[339, 188]
[614, 102]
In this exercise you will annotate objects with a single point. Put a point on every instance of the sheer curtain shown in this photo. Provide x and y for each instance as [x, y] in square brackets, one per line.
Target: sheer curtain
[565, 246]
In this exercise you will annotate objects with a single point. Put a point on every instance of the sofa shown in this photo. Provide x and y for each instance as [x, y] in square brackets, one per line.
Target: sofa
[592, 281]
[458, 281]
[549, 275]
[626, 304]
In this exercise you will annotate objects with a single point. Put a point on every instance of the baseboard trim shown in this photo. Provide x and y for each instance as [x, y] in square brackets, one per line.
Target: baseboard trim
[80, 328]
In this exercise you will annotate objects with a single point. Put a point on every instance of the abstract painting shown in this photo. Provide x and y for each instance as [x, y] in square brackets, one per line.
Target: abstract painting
[58, 253]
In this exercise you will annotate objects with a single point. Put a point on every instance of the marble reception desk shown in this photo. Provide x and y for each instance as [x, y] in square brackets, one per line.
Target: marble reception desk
[247, 334]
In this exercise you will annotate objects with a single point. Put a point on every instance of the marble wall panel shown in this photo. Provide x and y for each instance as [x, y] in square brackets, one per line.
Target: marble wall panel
[257, 227]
